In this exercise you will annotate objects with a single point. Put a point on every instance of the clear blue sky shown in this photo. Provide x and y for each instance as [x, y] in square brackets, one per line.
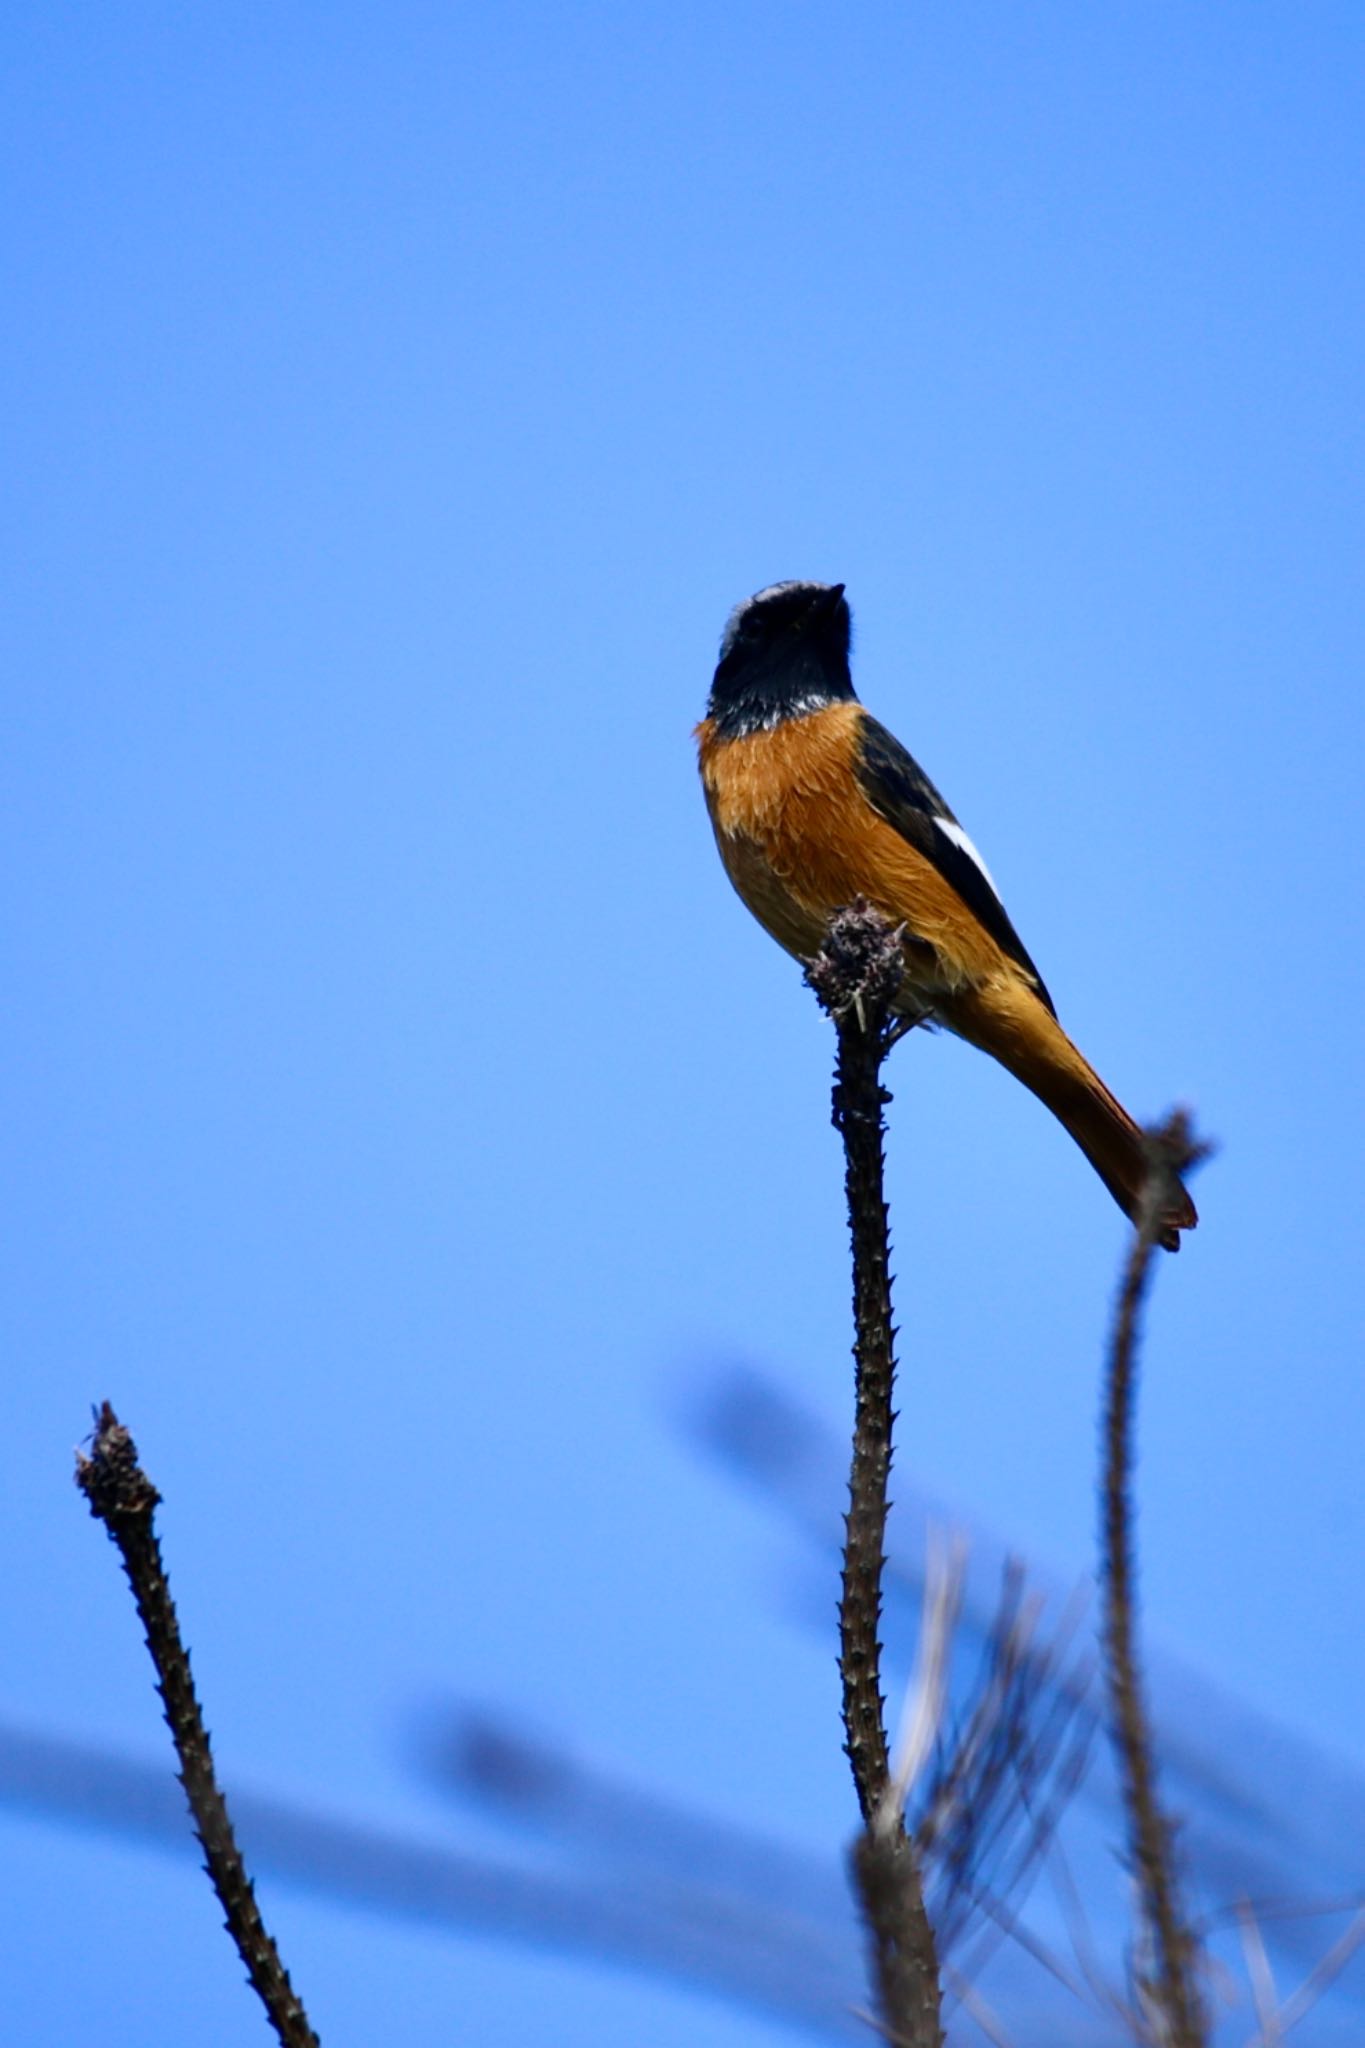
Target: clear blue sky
[400, 1109]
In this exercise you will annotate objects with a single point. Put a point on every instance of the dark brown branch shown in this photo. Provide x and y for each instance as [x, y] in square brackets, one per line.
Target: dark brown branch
[904, 1957]
[1173, 1988]
[855, 979]
[124, 1499]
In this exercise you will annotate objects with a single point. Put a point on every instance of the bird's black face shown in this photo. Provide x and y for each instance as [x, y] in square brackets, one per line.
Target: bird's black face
[784, 652]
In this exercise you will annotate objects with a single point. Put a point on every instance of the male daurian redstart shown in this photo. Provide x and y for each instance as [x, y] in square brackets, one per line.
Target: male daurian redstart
[814, 803]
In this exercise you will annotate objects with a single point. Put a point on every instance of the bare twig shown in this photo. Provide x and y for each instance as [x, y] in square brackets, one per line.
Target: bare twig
[1072, 1905]
[922, 1716]
[855, 979]
[1322, 1976]
[1261, 1978]
[1267, 1909]
[972, 2002]
[989, 1811]
[124, 1499]
[1172, 1990]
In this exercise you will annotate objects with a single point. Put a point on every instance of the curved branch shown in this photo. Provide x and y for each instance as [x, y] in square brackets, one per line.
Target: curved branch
[1173, 1988]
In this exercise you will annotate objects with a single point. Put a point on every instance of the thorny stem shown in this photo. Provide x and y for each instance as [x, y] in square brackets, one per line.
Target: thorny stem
[124, 1499]
[1174, 1990]
[855, 979]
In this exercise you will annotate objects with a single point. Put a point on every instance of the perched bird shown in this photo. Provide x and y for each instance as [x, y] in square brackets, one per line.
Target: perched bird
[814, 803]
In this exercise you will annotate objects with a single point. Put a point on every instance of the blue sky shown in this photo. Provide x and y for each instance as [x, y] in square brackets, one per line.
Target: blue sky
[404, 1117]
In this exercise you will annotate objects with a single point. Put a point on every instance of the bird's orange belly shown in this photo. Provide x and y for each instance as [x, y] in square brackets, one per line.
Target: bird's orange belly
[799, 841]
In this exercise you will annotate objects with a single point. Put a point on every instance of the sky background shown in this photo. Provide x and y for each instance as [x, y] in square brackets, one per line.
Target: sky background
[404, 1119]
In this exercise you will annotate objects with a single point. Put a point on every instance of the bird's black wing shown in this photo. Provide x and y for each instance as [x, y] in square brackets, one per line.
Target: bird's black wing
[898, 790]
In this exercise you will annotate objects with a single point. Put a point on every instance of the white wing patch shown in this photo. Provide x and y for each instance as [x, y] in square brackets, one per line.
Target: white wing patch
[955, 833]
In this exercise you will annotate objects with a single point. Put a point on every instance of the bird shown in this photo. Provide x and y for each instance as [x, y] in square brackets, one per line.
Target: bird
[814, 804]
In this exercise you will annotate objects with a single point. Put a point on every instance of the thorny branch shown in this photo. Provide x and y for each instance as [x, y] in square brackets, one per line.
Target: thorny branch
[855, 978]
[124, 1499]
[1171, 1995]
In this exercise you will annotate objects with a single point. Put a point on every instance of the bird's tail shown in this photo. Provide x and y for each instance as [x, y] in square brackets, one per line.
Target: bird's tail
[1007, 1020]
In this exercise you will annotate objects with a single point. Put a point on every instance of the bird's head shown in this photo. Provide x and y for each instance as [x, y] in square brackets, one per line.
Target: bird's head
[784, 652]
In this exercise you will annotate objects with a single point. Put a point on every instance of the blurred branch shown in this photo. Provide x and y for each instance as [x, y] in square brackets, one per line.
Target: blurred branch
[124, 1499]
[1316, 1982]
[751, 1924]
[1172, 1992]
[1260, 1977]
[986, 1816]
[855, 978]
[925, 1702]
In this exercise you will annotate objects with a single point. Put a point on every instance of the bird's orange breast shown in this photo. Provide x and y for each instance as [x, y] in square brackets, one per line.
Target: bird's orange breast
[800, 840]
